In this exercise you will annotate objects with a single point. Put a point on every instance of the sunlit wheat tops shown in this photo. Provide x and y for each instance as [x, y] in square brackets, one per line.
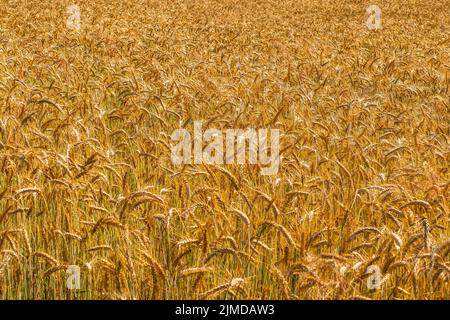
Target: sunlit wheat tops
[345, 196]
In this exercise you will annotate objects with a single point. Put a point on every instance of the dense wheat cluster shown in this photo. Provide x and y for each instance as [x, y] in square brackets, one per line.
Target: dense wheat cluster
[86, 176]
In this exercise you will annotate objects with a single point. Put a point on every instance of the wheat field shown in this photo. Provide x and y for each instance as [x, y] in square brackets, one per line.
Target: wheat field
[86, 177]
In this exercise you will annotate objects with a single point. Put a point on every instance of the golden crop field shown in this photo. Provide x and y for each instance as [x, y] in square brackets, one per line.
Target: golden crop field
[359, 208]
